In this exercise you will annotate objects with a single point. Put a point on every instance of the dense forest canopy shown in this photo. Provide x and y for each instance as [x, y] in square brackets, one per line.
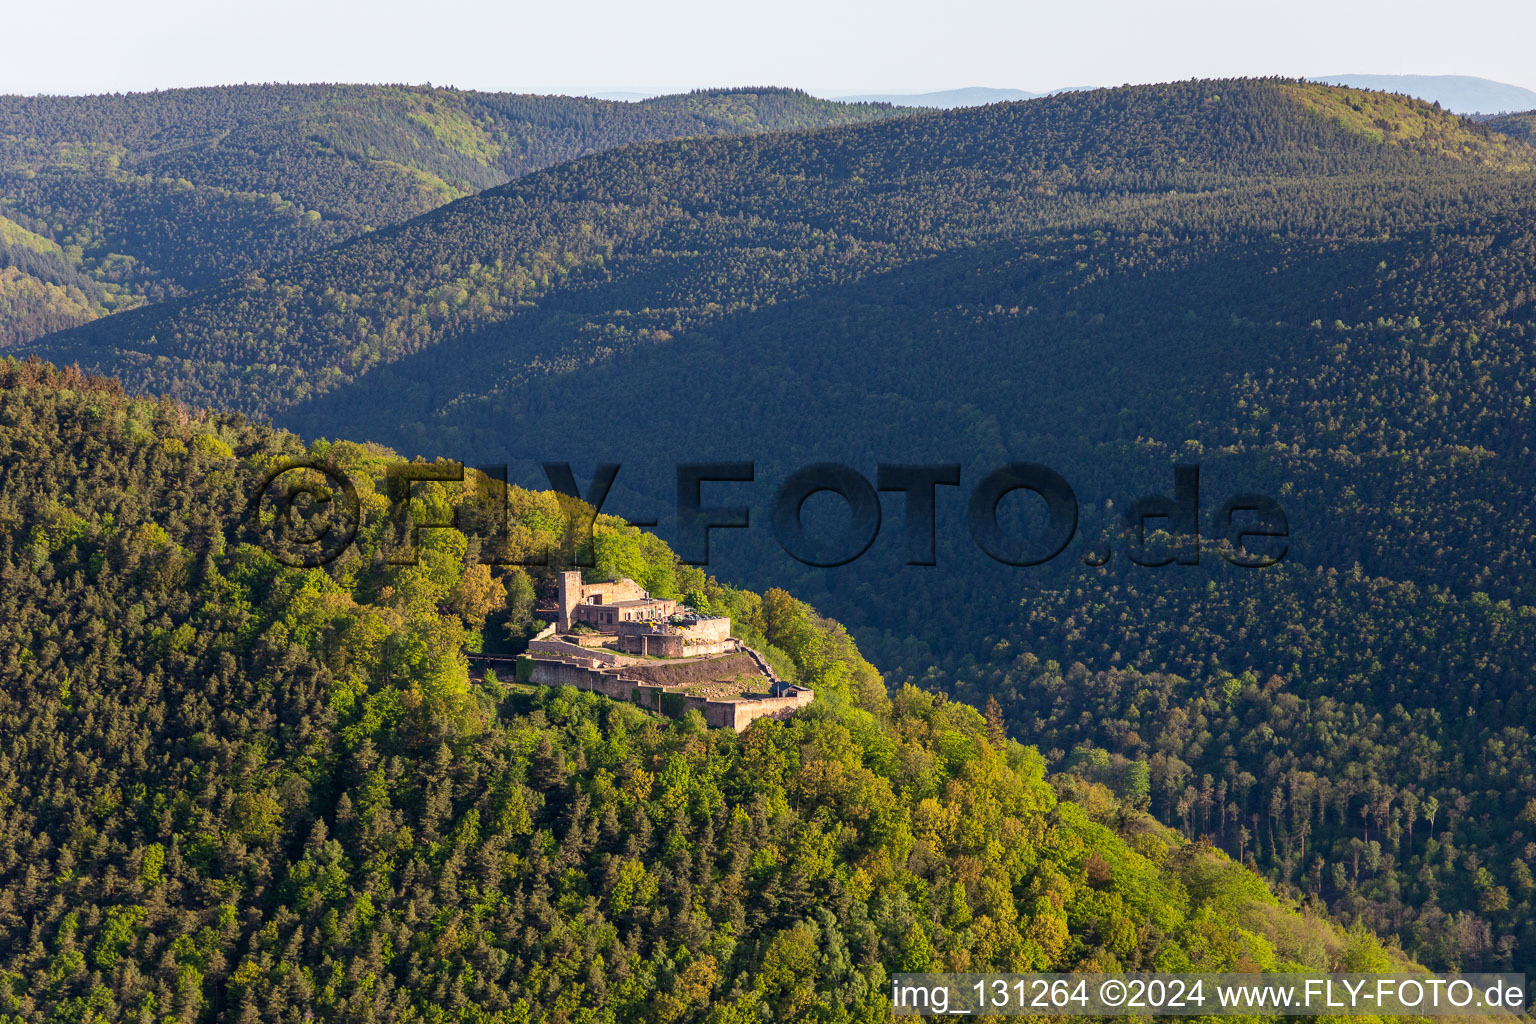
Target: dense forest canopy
[1521, 125]
[108, 201]
[577, 264]
[241, 790]
[1318, 294]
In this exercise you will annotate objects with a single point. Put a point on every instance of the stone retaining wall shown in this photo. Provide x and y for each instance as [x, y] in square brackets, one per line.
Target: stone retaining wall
[561, 649]
[683, 673]
[654, 695]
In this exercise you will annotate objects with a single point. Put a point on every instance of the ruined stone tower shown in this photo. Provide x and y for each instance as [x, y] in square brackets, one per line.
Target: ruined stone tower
[570, 597]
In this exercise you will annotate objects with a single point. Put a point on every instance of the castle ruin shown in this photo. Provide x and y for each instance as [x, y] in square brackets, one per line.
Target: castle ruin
[615, 638]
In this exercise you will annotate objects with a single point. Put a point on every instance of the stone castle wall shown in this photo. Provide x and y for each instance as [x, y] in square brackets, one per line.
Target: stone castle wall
[745, 712]
[561, 649]
[709, 630]
[655, 694]
[673, 645]
[562, 673]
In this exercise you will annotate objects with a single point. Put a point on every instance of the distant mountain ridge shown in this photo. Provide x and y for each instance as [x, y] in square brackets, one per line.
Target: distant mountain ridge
[1462, 94]
[948, 99]
[260, 346]
[973, 96]
[110, 201]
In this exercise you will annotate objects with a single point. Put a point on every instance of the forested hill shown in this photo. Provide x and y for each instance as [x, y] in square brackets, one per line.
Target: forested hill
[242, 791]
[1318, 294]
[106, 201]
[642, 243]
[1521, 126]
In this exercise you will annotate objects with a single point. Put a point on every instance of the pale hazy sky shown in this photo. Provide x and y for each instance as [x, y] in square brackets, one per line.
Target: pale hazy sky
[826, 46]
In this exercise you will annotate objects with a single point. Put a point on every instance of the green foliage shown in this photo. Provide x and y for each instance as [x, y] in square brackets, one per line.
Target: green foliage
[1521, 125]
[732, 237]
[1254, 274]
[109, 201]
[307, 809]
[1416, 124]
[1320, 294]
[621, 550]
